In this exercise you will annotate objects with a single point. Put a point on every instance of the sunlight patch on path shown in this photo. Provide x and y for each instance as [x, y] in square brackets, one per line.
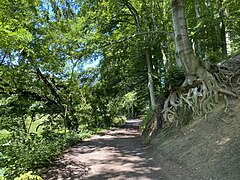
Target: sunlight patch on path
[115, 154]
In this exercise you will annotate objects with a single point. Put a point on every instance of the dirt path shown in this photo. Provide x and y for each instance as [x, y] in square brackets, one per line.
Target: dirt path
[116, 154]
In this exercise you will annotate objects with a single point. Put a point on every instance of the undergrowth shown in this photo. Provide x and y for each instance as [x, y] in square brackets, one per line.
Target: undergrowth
[146, 118]
[20, 154]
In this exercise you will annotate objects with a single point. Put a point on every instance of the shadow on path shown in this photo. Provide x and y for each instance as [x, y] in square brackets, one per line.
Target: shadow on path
[115, 154]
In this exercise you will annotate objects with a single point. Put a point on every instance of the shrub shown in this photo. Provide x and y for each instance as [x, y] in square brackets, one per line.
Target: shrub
[28, 176]
[21, 155]
[174, 78]
[147, 116]
[119, 120]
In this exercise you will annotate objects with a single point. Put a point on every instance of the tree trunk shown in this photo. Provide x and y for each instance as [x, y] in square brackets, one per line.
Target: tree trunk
[222, 29]
[201, 86]
[150, 79]
[147, 52]
[184, 49]
[199, 43]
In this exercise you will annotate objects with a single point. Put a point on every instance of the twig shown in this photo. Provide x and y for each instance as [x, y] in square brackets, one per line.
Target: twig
[136, 35]
[226, 105]
[225, 121]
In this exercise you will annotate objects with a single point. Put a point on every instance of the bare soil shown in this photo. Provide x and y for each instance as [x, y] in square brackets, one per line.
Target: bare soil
[117, 154]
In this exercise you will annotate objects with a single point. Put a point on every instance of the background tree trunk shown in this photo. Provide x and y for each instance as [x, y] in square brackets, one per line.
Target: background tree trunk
[150, 79]
[198, 42]
[222, 29]
[148, 55]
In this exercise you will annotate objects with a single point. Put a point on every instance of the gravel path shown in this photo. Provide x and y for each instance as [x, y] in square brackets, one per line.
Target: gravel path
[117, 154]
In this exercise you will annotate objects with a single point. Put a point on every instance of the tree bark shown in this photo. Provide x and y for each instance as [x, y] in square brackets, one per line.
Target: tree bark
[184, 49]
[150, 79]
[199, 43]
[222, 29]
[201, 86]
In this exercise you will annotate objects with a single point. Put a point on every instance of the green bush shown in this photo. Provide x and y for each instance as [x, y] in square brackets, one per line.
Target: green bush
[174, 78]
[4, 134]
[21, 155]
[2, 171]
[28, 176]
[147, 116]
[119, 120]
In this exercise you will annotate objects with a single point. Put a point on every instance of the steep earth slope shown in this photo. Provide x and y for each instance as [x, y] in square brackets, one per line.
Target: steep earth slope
[209, 148]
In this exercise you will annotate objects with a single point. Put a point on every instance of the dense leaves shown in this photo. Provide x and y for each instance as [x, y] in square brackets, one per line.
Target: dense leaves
[37, 151]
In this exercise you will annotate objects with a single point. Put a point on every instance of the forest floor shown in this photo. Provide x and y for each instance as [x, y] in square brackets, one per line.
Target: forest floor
[117, 154]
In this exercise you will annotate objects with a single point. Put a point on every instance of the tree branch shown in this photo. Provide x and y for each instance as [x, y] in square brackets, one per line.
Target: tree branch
[139, 34]
[50, 86]
[135, 15]
[1, 62]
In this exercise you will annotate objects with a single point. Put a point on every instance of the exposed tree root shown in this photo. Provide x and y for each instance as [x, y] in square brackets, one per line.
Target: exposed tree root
[229, 74]
[201, 93]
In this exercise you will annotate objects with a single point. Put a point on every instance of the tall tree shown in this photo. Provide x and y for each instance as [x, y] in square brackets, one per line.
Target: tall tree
[198, 82]
[147, 53]
[222, 28]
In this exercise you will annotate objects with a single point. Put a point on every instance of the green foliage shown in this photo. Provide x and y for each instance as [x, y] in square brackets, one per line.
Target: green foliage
[147, 117]
[4, 134]
[22, 154]
[2, 170]
[119, 120]
[28, 176]
[214, 58]
[174, 78]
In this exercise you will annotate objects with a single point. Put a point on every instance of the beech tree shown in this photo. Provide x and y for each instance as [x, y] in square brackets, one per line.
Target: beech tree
[200, 87]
